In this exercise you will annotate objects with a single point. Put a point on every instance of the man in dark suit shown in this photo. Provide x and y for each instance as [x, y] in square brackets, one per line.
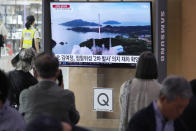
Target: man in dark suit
[162, 115]
[189, 114]
[46, 97]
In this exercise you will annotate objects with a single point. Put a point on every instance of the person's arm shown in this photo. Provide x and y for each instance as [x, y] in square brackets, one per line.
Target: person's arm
[37, 45]
[36, 40]
[5, 37]
[4, 31]
[21, 42]
[73, 113]
[60, 79]
[23, 102]
[124, 104]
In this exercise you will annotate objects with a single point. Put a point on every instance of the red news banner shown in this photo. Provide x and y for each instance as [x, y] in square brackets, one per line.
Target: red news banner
[63, 7]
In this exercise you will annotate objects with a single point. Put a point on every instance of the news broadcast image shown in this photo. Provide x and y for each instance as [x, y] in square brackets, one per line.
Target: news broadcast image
[100, 33]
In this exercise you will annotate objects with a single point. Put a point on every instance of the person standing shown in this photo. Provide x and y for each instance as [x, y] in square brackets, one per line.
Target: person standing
[163, 114]
[3, 35]
[30, 35]
[140, 91]
[20, 78]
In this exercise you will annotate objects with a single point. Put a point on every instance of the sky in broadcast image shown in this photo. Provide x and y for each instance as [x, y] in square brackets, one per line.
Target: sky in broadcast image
[118, 11]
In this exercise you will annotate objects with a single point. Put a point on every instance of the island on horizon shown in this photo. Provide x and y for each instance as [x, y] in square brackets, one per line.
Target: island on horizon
[110, 22]
[79, 22]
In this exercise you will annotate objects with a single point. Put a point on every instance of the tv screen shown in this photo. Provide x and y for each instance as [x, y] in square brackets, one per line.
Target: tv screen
[100, 34]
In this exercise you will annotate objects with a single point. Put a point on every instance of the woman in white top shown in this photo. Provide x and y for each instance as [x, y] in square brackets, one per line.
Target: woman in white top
[30, 35]
[140, 91]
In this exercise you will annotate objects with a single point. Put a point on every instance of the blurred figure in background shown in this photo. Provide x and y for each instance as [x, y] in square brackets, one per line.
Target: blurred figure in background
[10, 119]
[30, 35]
[20, 78]
[163, 113]
[189, 115]
[3, 34]
[46, 123]
[140, 91]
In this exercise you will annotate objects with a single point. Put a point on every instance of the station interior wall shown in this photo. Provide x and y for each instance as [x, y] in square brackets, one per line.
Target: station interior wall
[181, 60]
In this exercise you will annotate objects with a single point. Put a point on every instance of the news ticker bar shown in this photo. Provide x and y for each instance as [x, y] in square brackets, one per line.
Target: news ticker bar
[97, 58]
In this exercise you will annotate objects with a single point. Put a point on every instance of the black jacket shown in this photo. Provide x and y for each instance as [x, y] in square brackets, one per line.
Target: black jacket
[144, 120]
[19, 80]
[189, 115]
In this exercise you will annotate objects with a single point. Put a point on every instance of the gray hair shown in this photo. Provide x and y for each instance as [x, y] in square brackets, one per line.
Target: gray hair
[175, 86]
[26, 57]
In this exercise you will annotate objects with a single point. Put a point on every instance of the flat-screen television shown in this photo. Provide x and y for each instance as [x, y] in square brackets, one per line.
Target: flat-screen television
[101, 34]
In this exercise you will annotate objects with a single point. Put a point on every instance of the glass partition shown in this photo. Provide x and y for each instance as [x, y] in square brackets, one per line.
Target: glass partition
[13, 14]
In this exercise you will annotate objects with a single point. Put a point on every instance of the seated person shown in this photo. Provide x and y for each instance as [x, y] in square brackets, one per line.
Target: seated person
[46, 97]
[10, 119]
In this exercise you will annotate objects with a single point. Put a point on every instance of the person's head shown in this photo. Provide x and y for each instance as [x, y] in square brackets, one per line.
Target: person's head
[30, 21]
[46, 65]
[23, 61]
[147, 66]
[174, 96]
[4, 87]
[193, 86]
[44, 123]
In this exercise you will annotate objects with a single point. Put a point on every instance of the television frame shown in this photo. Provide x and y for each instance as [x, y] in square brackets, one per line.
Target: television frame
[159, 9]
[95, 60]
